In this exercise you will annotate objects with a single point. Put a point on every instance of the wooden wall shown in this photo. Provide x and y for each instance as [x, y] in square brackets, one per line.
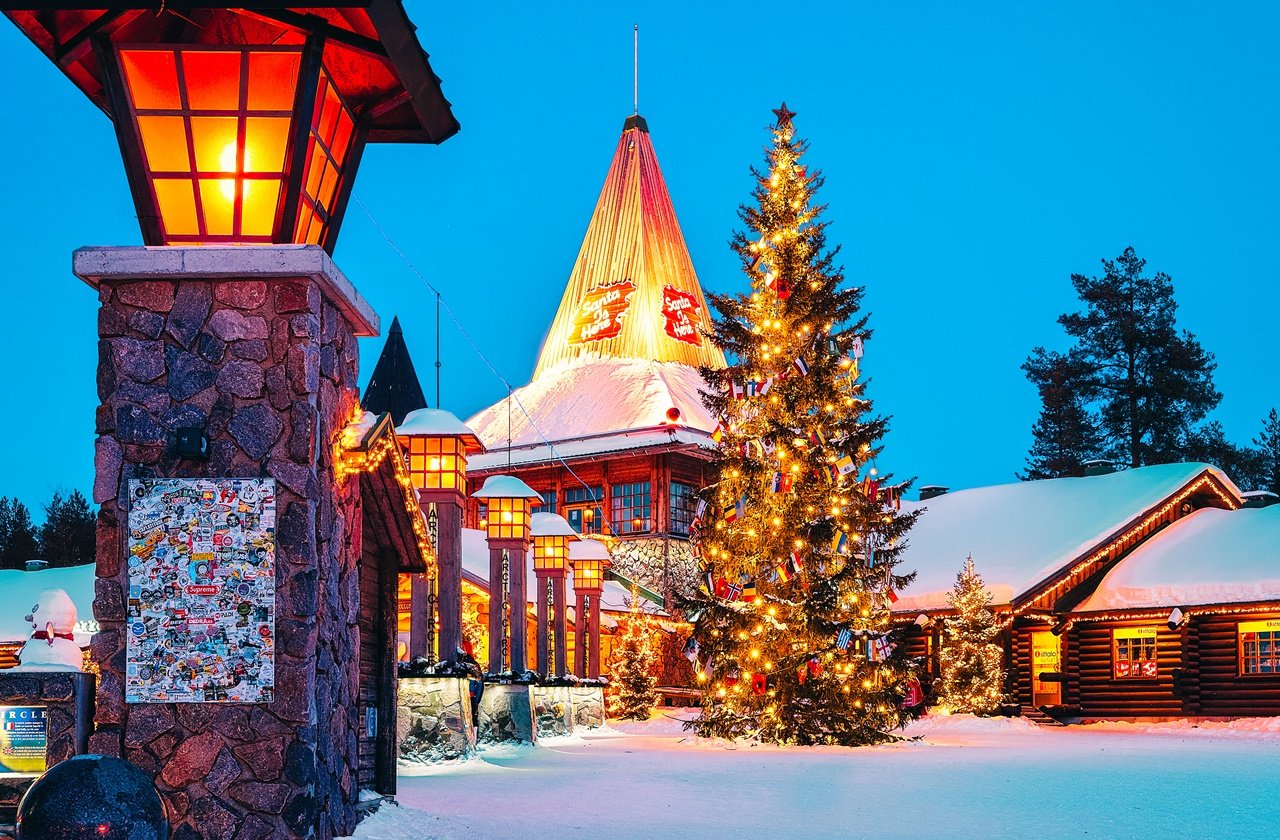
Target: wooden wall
[1213, 682]
[1092, 686]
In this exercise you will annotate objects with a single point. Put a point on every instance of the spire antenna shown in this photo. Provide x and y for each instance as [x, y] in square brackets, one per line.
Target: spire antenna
[635, 75]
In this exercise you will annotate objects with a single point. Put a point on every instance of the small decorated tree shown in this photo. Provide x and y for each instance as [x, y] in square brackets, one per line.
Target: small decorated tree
[971, 658]
[632, 666]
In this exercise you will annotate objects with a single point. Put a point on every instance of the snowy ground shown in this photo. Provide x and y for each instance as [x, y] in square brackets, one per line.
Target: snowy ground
[964, 778]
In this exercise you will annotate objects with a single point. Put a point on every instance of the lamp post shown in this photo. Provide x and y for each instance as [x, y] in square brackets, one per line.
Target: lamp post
[551, 537]
[242, 126]
[240, 129]
[509, 500]
[589, 558]
[436, 445]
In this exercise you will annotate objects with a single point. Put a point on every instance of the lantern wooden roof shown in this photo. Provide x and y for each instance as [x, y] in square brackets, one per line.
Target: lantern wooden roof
[370, 49]
[633, 292]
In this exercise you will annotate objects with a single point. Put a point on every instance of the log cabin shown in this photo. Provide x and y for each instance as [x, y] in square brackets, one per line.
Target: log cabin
[1085, 575]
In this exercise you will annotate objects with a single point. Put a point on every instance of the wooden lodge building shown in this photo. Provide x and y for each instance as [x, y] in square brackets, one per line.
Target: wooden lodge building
[1147, 593]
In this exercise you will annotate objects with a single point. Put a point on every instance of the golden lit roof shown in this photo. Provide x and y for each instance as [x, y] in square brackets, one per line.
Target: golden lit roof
[633, 292]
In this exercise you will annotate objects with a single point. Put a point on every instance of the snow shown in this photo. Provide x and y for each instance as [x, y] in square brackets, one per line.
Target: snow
[506, 487]
[550, 525]
[434, 421]
[1210, 557]
[1022, 533]
[20, 590]
[630, 441]
[592, 399]
[963, 778]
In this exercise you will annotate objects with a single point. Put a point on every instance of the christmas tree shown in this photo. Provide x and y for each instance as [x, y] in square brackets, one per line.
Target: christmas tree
[792, 637]
[971, 659]
[632, 665]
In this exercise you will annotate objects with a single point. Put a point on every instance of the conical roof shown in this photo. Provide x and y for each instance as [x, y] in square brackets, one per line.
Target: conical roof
[633, 292]
[394, 385]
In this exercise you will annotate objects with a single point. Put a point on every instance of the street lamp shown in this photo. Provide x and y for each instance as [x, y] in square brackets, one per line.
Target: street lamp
[589, 558]
[509, 501]
[551, 537]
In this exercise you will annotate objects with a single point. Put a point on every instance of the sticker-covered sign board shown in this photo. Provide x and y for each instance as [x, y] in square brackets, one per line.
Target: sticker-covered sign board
[202, 591]
[23, 732]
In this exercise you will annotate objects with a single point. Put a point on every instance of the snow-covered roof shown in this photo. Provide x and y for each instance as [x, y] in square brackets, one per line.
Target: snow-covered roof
[1020, 534]
[1210, 557]
[505, 487]
[550, 525]
[437, 421]
[588, 550]
[593, 399]
[20, 590]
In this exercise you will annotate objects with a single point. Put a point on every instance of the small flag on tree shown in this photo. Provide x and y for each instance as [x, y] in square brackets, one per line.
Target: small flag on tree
[801, 366]
[845, 465]
[844, 638]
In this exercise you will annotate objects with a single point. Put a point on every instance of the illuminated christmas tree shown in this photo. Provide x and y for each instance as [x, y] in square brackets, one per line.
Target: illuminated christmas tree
[971, 659]
[633, 665]
[792, 638]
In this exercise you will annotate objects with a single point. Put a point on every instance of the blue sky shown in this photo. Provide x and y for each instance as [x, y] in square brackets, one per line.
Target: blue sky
[973, 161]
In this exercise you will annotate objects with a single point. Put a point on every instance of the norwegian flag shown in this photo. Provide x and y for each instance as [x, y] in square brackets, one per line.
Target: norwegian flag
[733, 591]
[844, 638]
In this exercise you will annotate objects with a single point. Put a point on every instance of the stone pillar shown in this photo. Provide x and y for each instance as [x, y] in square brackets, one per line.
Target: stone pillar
[256, 346]
[515, 601]
[449, 567]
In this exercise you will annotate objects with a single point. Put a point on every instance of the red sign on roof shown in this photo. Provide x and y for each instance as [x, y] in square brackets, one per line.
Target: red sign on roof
[600, 315]
[680, 310]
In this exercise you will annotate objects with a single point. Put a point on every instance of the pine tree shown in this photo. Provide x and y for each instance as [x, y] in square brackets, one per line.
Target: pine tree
[67, 537]
[21, 540]
[1064, 436]
[1268, 449]
[1148, 383]
[971, 659]
[632, 665]
[792, 630]
[1243, 464]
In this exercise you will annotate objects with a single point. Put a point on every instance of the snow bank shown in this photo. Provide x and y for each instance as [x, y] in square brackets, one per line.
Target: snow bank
[1020, 534]
[1210, 557]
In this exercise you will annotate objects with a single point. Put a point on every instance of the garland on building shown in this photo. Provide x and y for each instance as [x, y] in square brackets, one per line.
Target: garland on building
[799, 539]
[971, 661]
[633, 665]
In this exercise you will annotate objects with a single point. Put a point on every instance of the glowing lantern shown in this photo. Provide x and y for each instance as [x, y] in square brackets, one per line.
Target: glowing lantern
[590, 558]
[551, 537]
[509, 501]
[437, 445]
[244, 126]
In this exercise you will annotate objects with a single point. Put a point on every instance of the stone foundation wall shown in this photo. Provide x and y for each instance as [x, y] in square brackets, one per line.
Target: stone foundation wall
[552, 710]
[506, 714]
[68, 701]
[588, 706]
[434, 720]
[267, 367]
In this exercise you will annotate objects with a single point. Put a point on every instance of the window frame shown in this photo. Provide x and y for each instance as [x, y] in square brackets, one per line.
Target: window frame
[1270, 628]
[1142, 640]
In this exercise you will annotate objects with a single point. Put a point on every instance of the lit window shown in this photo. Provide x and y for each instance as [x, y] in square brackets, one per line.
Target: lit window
[549, 502]
[1259, 646]
[683, 500]
[631, 509]
[1134, 653]
[582, 508]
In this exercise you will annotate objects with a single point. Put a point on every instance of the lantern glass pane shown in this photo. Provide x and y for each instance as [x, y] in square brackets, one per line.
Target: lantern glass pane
[177, 204]
[265, 141]
[217, 199]
[258, 207]
[213, 79]
[342, 137]
[165, 142]
[273, 79]
[215, 139]
[152, 79]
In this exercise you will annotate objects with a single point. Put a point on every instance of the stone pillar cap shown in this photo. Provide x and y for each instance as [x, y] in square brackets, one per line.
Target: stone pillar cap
[95, 264]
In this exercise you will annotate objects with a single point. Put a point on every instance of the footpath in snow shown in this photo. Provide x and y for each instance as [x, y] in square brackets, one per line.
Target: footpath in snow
[959, 777]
